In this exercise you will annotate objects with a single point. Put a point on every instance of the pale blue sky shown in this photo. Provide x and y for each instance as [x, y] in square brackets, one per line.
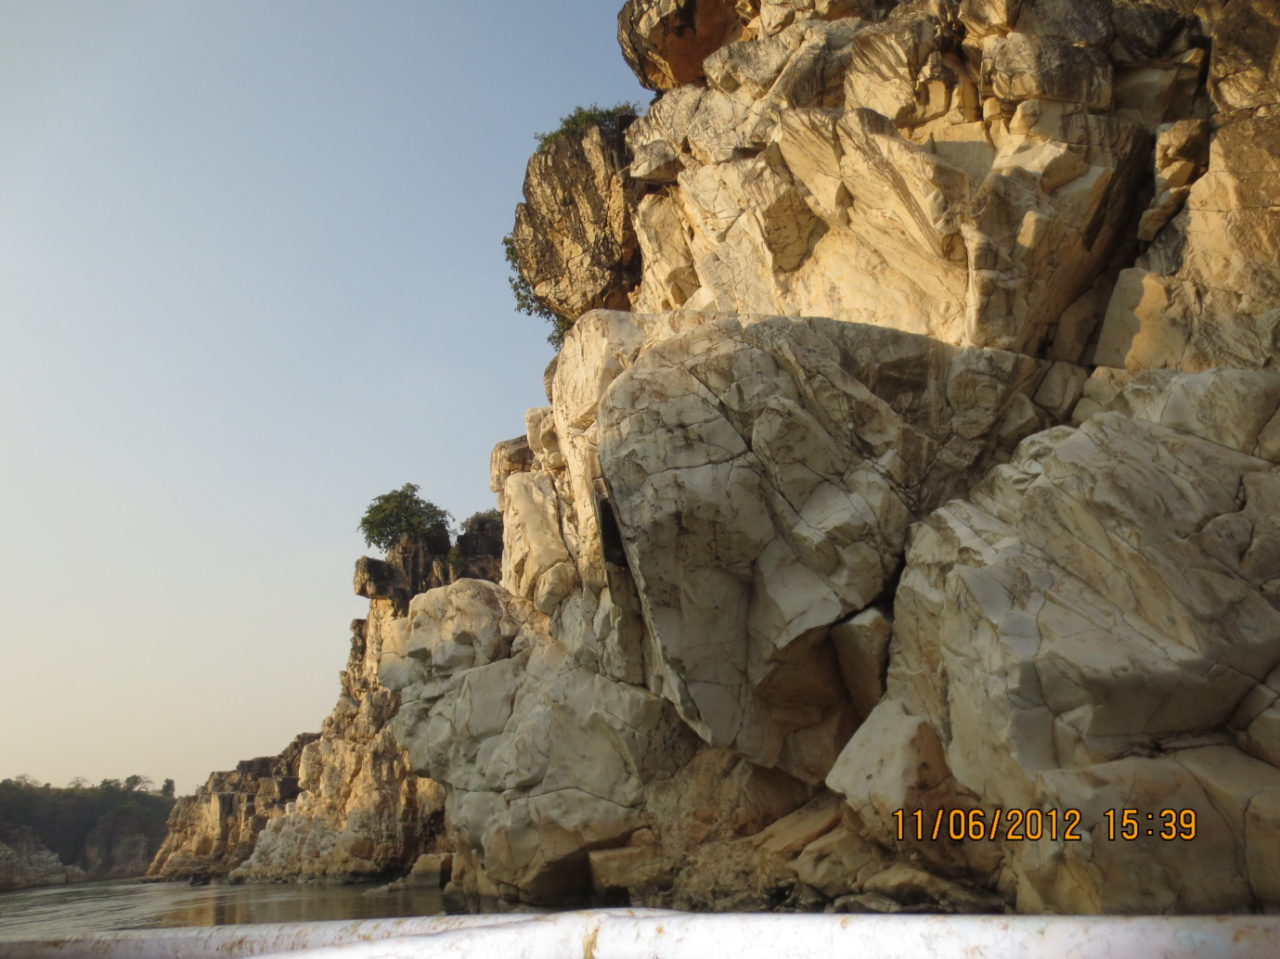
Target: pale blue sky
[250, 277]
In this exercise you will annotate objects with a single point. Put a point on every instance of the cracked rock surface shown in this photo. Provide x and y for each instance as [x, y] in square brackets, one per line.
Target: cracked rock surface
[932, 475]
[1083, 633]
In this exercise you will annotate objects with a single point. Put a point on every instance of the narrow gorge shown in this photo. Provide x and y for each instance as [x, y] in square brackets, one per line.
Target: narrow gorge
[902, 530]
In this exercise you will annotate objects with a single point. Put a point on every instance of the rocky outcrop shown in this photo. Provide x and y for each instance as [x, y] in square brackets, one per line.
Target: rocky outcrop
[343, 804]
[936, 170]
[25, 861]
[749, 616]
[360, 812]
[656, 677]
[573, 236]
[214, 831]
[912, 545]
[1205, 293]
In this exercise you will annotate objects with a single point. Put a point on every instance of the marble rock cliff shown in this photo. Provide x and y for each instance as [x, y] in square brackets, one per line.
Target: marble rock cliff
[931, 477]
[343, 804]
[214, 831]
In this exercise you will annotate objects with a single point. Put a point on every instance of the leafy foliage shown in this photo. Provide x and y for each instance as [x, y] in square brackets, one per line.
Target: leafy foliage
[64, 818]
[481, 534]
[527, 301]
[610, 120]
[403, 514]
[480, 520]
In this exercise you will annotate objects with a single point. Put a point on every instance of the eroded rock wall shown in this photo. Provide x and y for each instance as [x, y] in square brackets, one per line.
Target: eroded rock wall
[1205, 293]
[343, 804]
[931, 481]
[214, 831]
[359, 812]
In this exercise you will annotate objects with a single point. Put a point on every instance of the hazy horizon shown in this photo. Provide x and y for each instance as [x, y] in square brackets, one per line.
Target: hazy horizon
[251, 277]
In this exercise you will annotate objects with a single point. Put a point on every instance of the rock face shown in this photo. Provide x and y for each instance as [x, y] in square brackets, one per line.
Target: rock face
[762, 474]
[25, 861]
[1094, 629]
[912, 545]
[956, 177]
[215, 830]
[360, 813]
[1205, 293]
[343, 804]
[573, 234]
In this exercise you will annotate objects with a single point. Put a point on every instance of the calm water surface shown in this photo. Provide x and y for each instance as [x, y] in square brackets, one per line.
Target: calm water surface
[112, 906]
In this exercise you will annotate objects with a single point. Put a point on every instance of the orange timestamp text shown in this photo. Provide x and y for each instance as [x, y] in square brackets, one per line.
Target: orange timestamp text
[1018, 825]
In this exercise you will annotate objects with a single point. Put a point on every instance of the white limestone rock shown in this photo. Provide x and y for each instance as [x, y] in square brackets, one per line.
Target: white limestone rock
[807, 516]
[763, 472]
[1079, 634]
[542, 757]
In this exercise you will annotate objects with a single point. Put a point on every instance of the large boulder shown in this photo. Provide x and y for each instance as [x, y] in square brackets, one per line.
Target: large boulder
[1095, 629]
[763, 473]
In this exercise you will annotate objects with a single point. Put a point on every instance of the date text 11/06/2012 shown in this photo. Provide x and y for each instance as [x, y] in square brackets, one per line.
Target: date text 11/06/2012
[1018, 825]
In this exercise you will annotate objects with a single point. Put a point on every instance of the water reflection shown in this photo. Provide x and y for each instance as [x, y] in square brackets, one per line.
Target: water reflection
[110, 906]
[233, 905]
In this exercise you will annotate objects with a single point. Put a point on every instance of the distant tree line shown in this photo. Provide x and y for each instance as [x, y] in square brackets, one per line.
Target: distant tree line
[63, 817]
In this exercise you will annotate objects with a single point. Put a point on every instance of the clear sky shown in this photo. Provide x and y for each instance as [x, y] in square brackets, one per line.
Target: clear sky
[250, 277]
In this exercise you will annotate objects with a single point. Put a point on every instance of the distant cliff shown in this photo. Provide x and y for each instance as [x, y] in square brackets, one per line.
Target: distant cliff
[342, 804]
[53, 836]
[214, 831]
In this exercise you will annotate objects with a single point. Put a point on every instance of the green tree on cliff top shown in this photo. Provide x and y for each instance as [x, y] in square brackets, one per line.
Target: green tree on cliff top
[610, 120]
[403, 514]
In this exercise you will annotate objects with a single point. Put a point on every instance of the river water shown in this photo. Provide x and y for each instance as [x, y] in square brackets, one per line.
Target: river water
[112, 906]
